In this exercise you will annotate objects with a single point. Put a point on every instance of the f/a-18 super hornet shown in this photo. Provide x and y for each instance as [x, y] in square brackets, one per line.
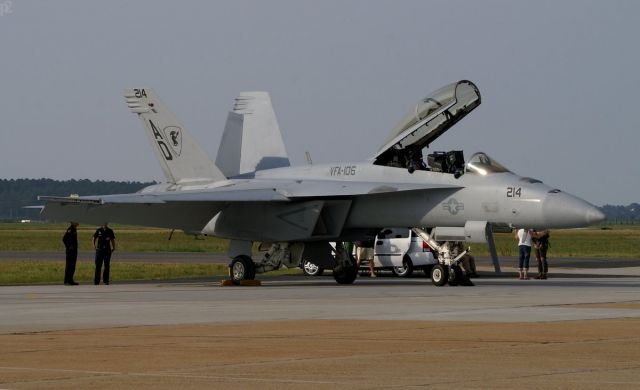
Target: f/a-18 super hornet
[252, 194]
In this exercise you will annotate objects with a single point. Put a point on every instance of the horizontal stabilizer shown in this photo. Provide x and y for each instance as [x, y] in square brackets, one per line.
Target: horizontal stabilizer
[69, 199]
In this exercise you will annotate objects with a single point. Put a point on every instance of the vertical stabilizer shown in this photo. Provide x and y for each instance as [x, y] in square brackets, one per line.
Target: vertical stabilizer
[181, 158]
[252, 140]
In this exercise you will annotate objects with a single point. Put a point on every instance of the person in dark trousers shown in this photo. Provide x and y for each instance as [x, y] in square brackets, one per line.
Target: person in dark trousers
[70, 240]
[541, 246]
[104, 242]
[469, 265]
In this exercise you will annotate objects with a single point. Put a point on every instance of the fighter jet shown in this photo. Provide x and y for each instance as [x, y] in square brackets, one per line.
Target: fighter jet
[252, 194]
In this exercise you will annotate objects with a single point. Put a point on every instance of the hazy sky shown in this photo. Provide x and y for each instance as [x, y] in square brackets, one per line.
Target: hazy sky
[559, 81]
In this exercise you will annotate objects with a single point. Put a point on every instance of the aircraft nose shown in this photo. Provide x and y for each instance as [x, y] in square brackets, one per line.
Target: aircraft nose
[594, 215]
[564, 210]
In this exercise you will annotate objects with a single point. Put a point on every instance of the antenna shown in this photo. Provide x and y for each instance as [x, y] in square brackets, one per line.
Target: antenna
[309, 161]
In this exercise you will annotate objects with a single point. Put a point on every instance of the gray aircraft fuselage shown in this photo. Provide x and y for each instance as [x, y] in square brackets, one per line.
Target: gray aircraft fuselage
[499, 198]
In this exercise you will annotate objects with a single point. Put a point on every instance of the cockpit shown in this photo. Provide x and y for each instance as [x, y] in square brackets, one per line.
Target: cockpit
[482, 164]
[453, 162]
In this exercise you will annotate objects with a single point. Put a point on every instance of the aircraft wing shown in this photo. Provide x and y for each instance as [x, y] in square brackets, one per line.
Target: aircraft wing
[210, 195]
[251, 191]
[192, 210]
[186, 210]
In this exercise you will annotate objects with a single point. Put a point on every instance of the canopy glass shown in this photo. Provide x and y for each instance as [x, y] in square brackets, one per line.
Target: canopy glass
[430, 118]
[481, 164]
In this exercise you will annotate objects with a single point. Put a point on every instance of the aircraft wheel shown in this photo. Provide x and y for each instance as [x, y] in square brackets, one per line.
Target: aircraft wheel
[406, 270]
[345, 275]
[310, 269]
[439, 275]
[455, 275]
[242, 268]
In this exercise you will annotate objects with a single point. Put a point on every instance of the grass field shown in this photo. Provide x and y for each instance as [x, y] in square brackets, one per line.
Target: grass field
[47, 272]
[34, 272]
[616, 241]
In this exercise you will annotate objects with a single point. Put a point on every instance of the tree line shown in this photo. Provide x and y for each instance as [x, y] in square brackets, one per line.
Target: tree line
[622, 214]
[15, 194]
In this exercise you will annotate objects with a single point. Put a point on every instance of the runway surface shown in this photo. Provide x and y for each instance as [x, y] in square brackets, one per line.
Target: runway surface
[570, 331]
[41, 308]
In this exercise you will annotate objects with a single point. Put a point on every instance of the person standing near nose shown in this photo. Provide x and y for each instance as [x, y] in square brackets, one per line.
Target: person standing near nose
[104, 242]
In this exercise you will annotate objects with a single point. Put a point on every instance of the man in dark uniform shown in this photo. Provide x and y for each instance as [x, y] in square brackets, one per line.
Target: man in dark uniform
[70, 240]
[104, 242]
[541, 245]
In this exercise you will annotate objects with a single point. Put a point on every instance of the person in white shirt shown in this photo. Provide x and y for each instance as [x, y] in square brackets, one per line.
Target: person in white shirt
[524, 252]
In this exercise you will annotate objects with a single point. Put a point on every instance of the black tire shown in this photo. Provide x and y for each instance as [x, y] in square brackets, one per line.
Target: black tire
[345, 275]
[348, 274]
[454, 275]
[242, 268]
[406, 270]
[439, 275]
[310, 269]
[457, 277]
[461, 277]
[427, 269]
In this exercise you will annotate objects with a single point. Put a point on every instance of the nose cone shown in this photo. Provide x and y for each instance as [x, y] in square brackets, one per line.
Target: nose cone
[595, 215]
[564, 210]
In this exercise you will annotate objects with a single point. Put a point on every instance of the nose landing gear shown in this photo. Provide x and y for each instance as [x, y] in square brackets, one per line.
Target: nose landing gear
[450, 254]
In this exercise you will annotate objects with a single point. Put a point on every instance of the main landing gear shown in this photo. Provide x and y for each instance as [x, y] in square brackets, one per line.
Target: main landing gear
[242, 267]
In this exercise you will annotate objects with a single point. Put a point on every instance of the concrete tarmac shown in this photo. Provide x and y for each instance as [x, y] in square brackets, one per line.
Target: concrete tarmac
[44, 308]
[570, 331]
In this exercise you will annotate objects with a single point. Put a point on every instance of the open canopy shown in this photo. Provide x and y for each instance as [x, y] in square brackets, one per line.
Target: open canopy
[431, 117]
